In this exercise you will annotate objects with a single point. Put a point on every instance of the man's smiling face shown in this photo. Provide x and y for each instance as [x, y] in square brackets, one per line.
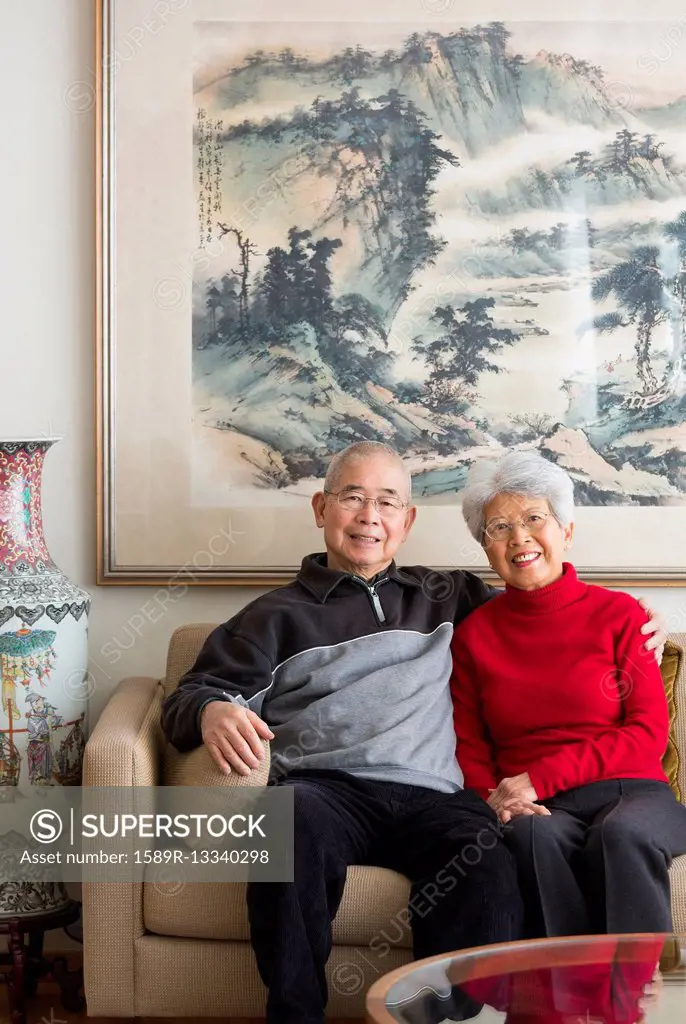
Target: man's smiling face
[365, 541]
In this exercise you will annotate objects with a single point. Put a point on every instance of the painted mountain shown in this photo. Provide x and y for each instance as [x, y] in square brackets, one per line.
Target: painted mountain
[442, 242]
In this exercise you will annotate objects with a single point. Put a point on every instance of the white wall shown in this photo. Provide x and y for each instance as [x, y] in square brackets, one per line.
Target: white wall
[47, 346]
[46, 335]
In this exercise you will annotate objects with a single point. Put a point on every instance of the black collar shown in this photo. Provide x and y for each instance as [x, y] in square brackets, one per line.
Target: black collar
[321, 581]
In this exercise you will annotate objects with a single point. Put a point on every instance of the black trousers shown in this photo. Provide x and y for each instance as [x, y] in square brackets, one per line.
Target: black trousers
[600, 862]
[450, 846]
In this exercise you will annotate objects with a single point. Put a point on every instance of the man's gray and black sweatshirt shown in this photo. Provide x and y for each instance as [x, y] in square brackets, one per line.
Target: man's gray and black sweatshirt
[348, 674]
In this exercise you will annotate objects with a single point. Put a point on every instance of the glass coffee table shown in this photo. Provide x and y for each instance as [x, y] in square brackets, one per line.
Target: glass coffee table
[598, 979]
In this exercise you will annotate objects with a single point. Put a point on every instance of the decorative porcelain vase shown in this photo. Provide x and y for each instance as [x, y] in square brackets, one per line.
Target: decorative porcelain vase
[43, 660]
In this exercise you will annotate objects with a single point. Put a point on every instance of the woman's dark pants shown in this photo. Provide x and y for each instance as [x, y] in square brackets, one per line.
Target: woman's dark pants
[600, 862]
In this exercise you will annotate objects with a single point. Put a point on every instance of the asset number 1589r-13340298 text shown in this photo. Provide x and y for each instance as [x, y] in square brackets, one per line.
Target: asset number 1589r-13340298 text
[201, 856]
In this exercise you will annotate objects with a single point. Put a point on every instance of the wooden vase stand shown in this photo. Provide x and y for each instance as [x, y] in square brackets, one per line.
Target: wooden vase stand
[27, 965]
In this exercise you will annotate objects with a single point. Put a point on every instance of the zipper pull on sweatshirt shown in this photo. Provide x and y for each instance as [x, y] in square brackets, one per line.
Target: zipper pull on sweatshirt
[373, 596]
[376, 604]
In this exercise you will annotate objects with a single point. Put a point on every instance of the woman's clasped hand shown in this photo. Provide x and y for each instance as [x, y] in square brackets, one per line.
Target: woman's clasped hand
[515, 796]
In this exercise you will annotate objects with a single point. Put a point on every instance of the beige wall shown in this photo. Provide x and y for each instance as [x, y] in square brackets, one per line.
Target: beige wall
[46, 339]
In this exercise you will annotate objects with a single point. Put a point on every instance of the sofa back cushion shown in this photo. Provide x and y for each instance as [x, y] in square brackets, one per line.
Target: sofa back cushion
[184, 648]
[672, 669]
[196, 768]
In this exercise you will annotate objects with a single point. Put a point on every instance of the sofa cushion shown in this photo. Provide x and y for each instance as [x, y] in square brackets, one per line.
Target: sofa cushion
[677, 882]
[670, 668]
[372, 907]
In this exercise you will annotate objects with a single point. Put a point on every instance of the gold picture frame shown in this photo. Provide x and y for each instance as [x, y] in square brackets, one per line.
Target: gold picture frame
[205, 472]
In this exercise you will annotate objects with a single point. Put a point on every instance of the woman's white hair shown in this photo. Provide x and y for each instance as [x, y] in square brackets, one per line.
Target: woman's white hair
[525, 473]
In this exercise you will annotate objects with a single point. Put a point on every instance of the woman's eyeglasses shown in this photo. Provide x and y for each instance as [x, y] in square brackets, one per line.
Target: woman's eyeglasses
[502, 529]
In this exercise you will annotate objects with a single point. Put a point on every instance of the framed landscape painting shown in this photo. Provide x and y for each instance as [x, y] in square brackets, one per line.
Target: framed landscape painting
[424, 223]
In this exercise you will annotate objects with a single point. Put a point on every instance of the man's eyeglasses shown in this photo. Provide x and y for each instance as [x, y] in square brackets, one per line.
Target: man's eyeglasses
[501, 529]
[353, 501]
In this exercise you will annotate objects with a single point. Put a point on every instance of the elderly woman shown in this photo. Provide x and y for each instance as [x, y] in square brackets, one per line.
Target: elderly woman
[561, 716]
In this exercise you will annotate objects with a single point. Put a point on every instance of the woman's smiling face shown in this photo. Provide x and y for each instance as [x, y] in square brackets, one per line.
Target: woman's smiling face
[523, 540]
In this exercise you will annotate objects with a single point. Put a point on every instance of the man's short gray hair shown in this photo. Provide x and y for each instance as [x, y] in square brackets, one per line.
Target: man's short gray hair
[521, 472]
[356, 453]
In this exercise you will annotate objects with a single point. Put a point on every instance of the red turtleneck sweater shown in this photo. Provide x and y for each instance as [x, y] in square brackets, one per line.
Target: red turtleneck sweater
[556, 682]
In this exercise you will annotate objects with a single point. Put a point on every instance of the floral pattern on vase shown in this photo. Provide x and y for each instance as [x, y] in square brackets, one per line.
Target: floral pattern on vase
[43, 658]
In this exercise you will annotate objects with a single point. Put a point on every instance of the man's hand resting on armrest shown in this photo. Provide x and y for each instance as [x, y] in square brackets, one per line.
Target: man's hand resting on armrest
[232, 735]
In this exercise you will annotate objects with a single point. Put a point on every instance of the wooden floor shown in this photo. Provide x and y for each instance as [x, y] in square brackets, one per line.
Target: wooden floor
[45, 1009]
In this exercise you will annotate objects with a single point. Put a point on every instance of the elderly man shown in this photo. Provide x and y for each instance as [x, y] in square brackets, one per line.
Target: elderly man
[346, 670]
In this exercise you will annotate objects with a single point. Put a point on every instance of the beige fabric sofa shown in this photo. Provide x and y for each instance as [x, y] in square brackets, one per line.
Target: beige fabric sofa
[156, 950]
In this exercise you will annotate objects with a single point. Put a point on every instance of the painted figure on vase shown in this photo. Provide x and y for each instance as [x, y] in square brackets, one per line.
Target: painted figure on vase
[10, 763]
[26, 656]
[40, 720]
[69, 758]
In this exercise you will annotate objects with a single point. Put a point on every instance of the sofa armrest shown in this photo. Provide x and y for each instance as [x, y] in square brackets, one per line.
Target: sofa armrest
[198, 768]
[124, 749]
[127, 745]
